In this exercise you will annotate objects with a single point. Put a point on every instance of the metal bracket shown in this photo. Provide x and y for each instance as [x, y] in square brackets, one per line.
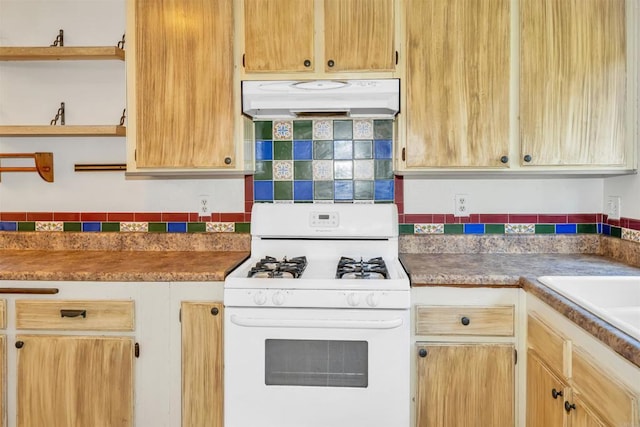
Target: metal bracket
[121, 43]
[122, 117]
[59, 41]
[59, 115]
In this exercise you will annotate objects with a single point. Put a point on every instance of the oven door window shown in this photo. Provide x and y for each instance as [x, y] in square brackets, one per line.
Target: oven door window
[316, 363]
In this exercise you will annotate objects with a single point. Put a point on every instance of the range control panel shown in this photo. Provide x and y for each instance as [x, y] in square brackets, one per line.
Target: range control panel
[324, 219]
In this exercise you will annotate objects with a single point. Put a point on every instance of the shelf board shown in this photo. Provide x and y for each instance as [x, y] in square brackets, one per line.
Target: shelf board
[66, 130]
[24, 53]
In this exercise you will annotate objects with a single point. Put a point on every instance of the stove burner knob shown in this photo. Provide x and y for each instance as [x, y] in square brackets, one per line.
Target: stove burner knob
[278, 298]
[260, 298]
[353, 299]
[373, 299]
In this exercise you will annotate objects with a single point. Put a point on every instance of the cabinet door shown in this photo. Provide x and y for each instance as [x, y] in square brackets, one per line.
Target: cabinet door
[202, 364]
[582, 416]
[74, 381]
[184, 84]
[3, 379]
[464, 385]
[359, 35]
[278, 35]
[573, 82]
[545, 395]
[457, 111]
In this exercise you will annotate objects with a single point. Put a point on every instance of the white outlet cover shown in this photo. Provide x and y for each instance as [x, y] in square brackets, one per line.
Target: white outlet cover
[613, 207]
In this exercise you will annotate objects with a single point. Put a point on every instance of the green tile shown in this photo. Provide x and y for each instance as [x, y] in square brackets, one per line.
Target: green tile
[264, 171]
[363, 190]
[323, 150]
[363, 149]
[264, 130]
[302, 170]
[323, 190]
[405, 228]
[196, 227]
[545, 229]
[283, 190]
[243, 227]
[453, 229]
[494, 229]
[282, 150]
[383, 129]
[27, 226]
[157, 227]
[342, 129]
[302, 129]
[615, 231]
[587, 228]
[383, 169]
[110, 226]
[72, 226]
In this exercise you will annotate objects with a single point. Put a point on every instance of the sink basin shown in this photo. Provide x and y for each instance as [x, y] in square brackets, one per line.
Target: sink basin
[615, 299]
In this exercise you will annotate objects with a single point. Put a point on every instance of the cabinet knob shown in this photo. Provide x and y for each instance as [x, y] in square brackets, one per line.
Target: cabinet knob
[227, 160]
[465, 321]
[307, 63]
[19, 344]
[504, 159]
[569, 406]
[215, 311]
[423, 352]
[527, 158]
[555, 393]
[331, 63]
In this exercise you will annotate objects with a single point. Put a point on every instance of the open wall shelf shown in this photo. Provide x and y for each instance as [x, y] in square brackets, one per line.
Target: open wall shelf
[54, 53]
[67, 130]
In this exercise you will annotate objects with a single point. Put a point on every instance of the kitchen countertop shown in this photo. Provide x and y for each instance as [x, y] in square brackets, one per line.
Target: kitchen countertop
[520, 271]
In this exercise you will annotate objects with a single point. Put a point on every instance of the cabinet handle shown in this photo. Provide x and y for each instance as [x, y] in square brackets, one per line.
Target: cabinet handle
[569, 406]
[215, 311]
[19, 344]
[307, 63]
[73, 313]
[227, 160]
[465, 321]
[331, 63]
[136, 350]
[504, 159]
[527, 158]
[423, 352]
[555, 393]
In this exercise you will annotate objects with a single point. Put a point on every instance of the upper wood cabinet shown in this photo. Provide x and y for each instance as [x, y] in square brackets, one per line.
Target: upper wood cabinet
[573, 82]
[457, 83]
[352, 36]
[181, 96]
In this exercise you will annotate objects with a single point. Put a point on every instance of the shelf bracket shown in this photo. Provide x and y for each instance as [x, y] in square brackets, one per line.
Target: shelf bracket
[122, 117]
[59, 41]
[121, 43]
[59, 115]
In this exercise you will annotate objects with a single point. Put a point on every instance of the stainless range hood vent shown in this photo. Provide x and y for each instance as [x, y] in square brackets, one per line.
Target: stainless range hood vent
[321, 98]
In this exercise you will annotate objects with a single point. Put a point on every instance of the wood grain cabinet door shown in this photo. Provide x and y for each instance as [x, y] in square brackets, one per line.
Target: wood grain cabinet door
[3, 380]
[67, 381]
[545, 395]
[465, 385]
[457, 84]
[202, 364]
[184, 84]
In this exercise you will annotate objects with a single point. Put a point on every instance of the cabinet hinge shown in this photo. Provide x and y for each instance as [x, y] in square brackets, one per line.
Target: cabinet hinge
[243, 60]
[515, 356]
[136, 350]
[135, 155]
[180, 315]
[396, 57]
[404, 151]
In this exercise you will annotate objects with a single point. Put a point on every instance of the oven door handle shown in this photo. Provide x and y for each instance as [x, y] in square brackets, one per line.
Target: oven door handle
[255, 322]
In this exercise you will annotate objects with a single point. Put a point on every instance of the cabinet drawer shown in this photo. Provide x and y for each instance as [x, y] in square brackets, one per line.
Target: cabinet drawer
[613, 402]
[468, 320]
[3, 313]
[75, 315]
[547, 344]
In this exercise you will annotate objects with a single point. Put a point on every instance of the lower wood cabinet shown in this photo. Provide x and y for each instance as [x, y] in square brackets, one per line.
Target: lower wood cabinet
[545, 394]
[3, 380]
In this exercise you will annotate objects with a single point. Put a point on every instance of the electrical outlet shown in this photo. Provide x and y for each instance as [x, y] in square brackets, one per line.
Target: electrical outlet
[204, 207]
[461, 207]
[613, 207]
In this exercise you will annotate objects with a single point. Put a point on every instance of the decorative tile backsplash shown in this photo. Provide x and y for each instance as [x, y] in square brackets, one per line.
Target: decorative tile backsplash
[324, 160]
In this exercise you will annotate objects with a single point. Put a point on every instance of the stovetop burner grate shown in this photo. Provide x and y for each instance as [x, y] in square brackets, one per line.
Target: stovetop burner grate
[349, 268]
[271, 267]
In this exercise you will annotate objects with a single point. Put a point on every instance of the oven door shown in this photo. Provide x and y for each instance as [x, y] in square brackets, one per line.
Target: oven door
[287, 367]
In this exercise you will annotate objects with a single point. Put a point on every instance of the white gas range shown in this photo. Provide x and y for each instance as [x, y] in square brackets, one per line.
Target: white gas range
[317, 320]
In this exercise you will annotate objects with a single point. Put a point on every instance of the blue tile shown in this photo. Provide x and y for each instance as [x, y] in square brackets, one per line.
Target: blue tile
[599, 228]
[606, 229]
[473, 228]
[91, 226]
[565, 229]
[264, 150]
[8, 226]
[383, 190]
[343, 190]
[382, 149]
[302, 190]
[263, 190]
[176, 227]
[302, 150]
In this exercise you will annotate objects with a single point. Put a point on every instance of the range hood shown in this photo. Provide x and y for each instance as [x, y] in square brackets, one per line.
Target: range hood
[295, 99]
